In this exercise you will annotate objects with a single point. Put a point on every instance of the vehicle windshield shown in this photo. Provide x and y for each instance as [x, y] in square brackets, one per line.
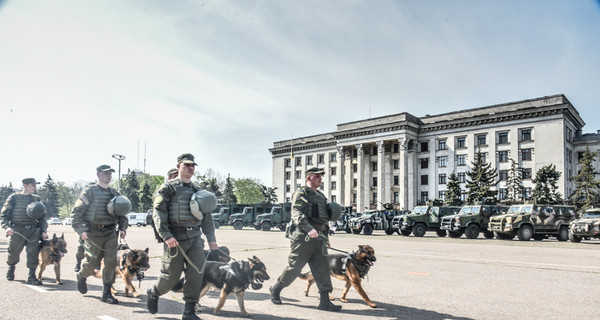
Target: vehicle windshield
[526, 209]
[514, 209]
[592, 214]
[470, 210]
[420, 210]
[367, 214]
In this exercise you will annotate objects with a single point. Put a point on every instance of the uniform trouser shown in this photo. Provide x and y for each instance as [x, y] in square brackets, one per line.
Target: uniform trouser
[315, 254]
[28, 238]
[173, 263]
[97, 247]
[80, 250]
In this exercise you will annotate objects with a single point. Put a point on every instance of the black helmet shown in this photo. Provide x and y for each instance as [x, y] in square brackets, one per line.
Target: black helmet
[36, 210]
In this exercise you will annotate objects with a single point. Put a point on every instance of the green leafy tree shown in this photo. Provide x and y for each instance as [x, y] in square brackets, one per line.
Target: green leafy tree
[453, 190]
[514, 183]
[248, 191]
[481, 179]
[49, 196]
[153, 181]
[5, 191]
[130, 188]
[67, 195]
[269, 194]
[146, 197]
[211, 185]
[587, 187]
[546, 185]
[229, 197]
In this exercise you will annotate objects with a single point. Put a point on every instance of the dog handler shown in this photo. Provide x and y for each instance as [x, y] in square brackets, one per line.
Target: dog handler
[98, 211]
[307, 232]
[180, 226]
[23, 219]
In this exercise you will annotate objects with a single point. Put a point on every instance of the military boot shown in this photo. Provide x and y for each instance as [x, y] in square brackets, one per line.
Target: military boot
[275, 291]
[189, 313]
[107, 295]
[78, 265]
[81, 285]
[10, 274]
[325, 303]
[152, 302]
[32, 279]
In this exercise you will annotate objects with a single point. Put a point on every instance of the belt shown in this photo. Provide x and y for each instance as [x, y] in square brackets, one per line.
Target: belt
[185, 228]
[104, 226]
[26, 226]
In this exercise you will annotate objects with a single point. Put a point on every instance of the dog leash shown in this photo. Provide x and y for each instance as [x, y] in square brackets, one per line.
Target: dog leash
[185, 256]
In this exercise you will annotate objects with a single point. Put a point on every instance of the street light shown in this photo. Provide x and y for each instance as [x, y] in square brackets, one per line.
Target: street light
[119, 157]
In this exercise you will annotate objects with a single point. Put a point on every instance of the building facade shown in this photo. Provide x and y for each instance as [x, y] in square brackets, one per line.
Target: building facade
[406, 160]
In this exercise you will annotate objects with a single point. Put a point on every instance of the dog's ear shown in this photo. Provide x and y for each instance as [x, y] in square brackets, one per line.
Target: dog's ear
[54, 236]
[62, 236]
[360, 247]
[133, 254]
[146, 250]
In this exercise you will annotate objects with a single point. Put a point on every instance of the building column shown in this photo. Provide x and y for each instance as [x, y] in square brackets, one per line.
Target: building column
[341, 181]
[360, 207]
[402, 142]
[380, 169]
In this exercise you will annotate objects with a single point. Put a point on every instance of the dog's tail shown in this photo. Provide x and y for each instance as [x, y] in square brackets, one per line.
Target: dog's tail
[305, 276]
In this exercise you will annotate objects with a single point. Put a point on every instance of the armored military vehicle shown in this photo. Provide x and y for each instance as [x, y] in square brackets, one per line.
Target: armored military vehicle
[537, 221]
[373, 220]
[221, 214]
[248, 216]
[588, 226]
[279, 216]
[471, 220]
[423, 219]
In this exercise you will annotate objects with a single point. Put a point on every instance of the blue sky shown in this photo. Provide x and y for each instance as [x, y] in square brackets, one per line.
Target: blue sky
[82, 80]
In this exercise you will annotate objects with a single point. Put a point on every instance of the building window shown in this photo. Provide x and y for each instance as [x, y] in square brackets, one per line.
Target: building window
[424, 196]
[333, 185]
[526, 154]
[320, 158]
[374, 165]
[569, 134]
[354, 182]
[309, 160]
[481, 140]
[287, 199]
[442, 178]
[463, 197]
[527, 193]
[526, 173]
[442, 162]
[396, 197]
[288, 175]
[424, 163]
[354, 198]
[424, 146]
[483, 157]
[333, 171]
[396, 148]
[288, 163]
[502, 137]
[525, 135]
[355, 153]
[424, 179]
[396, 180]
[502, 193]
[298, 174]
[322, 187]
[374, 181]
[298, 161]
[461, 142]
[354, 168]
[442, 144]
[569, 156]
[333, 198]
[503, 156]
[442, 195]
[374, 152]
[461, 177]
[374, 197]
[396, 164]
[287, 188]
[333, 157]
[461, 160]
[502, 175]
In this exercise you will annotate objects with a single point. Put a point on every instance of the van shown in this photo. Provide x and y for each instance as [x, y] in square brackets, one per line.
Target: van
[138, 219]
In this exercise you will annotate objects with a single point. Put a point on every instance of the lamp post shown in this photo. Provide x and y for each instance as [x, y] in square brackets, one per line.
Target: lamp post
[119, 157]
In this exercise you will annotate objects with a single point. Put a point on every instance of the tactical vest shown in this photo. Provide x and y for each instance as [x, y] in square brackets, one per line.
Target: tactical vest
[19, 211]
[318, 210]
[97, 212]
[180, 214]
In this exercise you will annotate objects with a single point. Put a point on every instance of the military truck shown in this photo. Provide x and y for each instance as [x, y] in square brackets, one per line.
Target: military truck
[588, 226]
[424, 218]
[221, 214]
[537, 221]
[279, 216]
[471, 220]
[373, 220]
[343, 223]
[248, 216]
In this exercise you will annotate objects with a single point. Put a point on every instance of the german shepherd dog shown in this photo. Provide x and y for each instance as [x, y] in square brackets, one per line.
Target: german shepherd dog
[351, 268]
[221, 255]
[51, 252]
[130, 263]
[230, 278]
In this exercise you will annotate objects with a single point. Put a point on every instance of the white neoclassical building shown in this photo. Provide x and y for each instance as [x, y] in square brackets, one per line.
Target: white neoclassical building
[406, 160]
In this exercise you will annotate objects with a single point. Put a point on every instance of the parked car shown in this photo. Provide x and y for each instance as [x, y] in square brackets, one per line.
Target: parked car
[138, 219]
[67, 221]
[54, 220]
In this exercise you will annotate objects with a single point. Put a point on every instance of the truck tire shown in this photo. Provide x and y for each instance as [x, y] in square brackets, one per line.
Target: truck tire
[367, 229]
[525, 232]
[238, 225]
[356, 231]
[563, 234]
[405, 233]
[574, 238]
[455, 234]
[440, 233]
[256, 227]
[266, 226]
[348, 230]
[139, 224]
[419, 230]
[472, 231]
[217, 224]
[282, 227]
[389, 232]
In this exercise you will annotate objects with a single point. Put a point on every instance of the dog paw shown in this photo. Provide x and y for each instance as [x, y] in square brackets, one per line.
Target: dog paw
[216, 312]
[135, 294]
[343, 300]
[246, 315]
[372, 305]
[59, 283]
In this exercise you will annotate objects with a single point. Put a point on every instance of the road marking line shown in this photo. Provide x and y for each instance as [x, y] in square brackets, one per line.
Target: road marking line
[36, 288]
[107, 318]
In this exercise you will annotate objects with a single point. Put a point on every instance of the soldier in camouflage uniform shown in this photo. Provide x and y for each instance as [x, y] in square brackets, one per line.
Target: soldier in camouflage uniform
[308, 234]
[97, 228]
[23, 230]
[180, 231]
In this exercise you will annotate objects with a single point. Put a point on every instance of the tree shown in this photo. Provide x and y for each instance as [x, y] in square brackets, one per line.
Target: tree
[154, 181]
[269, 194]
[229, 197]
[49, 196]
[514, 182]
[546, 185]
[146, 197]
[587, 188]
[67, 195]
[453, 191]
[248, 191]
[130, 189]
[211, 185]
[5, 191]
[481, 179]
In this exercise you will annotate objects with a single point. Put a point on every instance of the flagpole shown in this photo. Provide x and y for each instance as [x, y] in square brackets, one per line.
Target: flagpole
[292, 146]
